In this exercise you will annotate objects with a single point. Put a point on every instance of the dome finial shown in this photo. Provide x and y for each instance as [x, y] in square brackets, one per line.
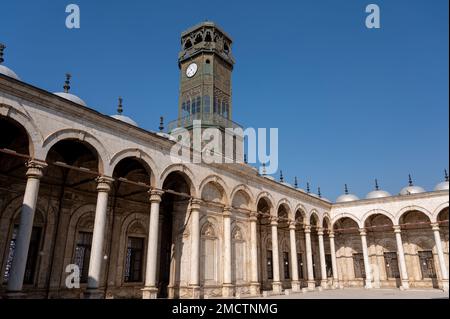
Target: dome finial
[245, 159]
[161, 123]
[119, 106]
[318, 192]
[2, 47]
[295, 182]
[67, 83]
[308, 190]
[264, 169]
[345, 189]
[410, 181]
[281, 176]
[376, 185]
[445, 175]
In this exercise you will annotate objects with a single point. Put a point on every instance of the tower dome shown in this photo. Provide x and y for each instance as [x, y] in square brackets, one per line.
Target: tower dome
[377, 193]
[3, 69]
[411, 189]
[121, 117]
[442, 186]
[68, 96]
[346, 197]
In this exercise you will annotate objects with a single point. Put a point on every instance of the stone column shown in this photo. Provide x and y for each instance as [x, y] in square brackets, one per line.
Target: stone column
[98, 237]
[323, 266]
[150, 290]
[195, 248]
[276, 284]
[309, 261]
[227, 289]
[442, 265]
[401, 258]
[367, 267]
[34, 174]
[333, 260]
[254, 284]
[294, 266]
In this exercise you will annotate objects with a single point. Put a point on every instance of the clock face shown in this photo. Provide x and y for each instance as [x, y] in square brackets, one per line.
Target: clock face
[191, 70]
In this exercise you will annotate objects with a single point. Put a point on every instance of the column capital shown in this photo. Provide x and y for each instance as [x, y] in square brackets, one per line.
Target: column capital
[274, 220]
[307, 229]
[195, 203]
[331, 234]
[292, 224]
[104, 183]
[35, 168]
[155, 195]
[320, 231]
[253, 216]
[226, 211]
[435, 226]
[362, 232]
[397, 229]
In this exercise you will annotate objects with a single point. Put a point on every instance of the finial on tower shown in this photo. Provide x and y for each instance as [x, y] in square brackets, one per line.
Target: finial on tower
[245, 159]
[445, 175]
[67, 83]
[281, 176]
[308, 190]
[119, 106]
[161, 123]
[410, 181]
[318, 192]
[345, 189]
[376, 185]
[264, 169]
[295, 182]
[2, 47]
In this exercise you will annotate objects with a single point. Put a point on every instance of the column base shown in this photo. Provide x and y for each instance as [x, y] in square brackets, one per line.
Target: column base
[149, 293]
[295, 286]
[254, 289]
[14, 295]
[195, 292]
[324, 284]
[405, 285]
[227, 290]
[277, 287]
[311, 285]
[368, 284]
[445, 285]
[93, 294]
[335, 284]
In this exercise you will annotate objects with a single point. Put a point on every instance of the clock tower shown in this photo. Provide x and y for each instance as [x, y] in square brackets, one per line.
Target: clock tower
[206, 63]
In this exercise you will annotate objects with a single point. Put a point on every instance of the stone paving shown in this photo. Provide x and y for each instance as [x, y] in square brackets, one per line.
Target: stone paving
[359, 293]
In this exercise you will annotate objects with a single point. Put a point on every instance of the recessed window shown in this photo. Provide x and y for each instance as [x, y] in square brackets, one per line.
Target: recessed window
[134, 259]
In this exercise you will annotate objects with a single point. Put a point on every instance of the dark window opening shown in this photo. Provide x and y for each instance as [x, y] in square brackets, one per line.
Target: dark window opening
[188, 44]
[427, 264]
[391, 264]
[208, 37]
[134, 259]
[300, 265]
[287, 274]
[226, 48]
[269, 265]
[198, 39]
[328, 265]
[83, 254]
[358, 263]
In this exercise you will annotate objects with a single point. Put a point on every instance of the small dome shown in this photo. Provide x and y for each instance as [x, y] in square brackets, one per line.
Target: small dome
[377, 194]
[71, 97]
[411, 189]
[442, 186]
[8, 72]
[124, 118]
[346, 197]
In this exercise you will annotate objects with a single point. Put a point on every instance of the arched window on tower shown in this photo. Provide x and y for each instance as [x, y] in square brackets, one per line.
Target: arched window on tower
[224, 109]
[206, 104]
[216, 106]
[188, 107]
[208, 37]
[188, 44]
[199, 101]
[198, 38]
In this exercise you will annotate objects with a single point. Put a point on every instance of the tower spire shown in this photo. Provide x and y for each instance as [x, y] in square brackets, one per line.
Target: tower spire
[2, 47]
[410, 181]
[376, 184]
[308, 190]
[345, 189]
[119, 106]
[67, 83]
[295, 182]
[318, 192]
[161, 123]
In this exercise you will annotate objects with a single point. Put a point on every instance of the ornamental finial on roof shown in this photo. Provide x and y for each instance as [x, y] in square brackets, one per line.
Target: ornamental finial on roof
[67, 83]
[2, 48]
[120, 106]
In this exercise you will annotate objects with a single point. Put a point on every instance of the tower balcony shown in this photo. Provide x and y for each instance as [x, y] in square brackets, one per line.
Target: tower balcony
[207, 120]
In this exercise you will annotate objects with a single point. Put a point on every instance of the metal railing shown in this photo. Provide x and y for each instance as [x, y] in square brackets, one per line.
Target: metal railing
[207, 119]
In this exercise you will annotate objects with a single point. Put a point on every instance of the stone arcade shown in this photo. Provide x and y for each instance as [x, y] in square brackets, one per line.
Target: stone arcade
[79, 187]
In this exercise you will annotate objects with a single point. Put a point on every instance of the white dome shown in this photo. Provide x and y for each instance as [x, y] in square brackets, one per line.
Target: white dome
[124, 118]
[346, 198]
[71, 97]
[8, 72]
[411, 190]
[377, 194]
[442, 186]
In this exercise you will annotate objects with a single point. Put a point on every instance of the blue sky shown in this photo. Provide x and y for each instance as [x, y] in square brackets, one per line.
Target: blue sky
[351, 104]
